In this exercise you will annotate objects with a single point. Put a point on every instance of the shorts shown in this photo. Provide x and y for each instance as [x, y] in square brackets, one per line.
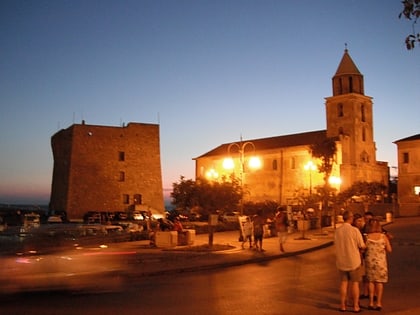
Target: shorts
[258, 237]
[352, 275]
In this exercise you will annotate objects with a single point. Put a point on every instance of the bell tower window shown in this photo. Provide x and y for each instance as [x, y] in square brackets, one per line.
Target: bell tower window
[362, 111]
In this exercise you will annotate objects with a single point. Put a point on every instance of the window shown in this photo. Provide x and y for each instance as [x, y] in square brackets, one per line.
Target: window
[340, 110]
[341, 131]
[363, 134]
[417, 190]
[350, 84]
[406, 158]
[137, 199]
[293, 163]
[274, 165]
[362, 110]
[126, 199]
[364, 157]
[121, 156]
[122, 176]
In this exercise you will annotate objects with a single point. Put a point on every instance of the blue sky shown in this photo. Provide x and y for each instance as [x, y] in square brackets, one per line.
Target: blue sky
[206, 71]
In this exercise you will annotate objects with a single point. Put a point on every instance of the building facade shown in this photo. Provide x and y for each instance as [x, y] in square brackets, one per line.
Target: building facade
[286, 170]
[409, 175]
[103, 168]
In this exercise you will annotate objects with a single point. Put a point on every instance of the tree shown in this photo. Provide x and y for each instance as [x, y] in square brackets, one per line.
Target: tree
[411, 11]
[325, 150]
[207, 195]
[366, 192]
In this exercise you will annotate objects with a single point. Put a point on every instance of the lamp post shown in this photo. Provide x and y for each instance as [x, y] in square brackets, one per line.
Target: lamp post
[254, 163]
[310, 166]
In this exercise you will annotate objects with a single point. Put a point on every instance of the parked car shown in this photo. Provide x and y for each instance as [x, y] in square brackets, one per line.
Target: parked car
[230, 217]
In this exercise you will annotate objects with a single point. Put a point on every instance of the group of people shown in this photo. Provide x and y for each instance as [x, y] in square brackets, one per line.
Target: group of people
[361, 257]
[254, 229]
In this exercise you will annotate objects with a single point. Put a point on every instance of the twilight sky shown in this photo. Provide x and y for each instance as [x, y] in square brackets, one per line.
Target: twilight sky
[206, 71]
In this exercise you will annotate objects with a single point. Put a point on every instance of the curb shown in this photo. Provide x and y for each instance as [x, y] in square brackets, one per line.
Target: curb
[233, 263]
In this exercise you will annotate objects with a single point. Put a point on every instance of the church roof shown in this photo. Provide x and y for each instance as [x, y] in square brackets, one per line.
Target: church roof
[298, 139]
[347, 66]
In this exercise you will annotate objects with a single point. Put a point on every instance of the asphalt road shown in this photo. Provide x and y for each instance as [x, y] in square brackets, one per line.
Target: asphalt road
[305, 284]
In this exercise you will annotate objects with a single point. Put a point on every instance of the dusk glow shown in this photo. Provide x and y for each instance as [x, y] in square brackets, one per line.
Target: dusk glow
[208, 72]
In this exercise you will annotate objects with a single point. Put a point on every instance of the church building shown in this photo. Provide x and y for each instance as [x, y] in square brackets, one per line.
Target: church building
[287, 168]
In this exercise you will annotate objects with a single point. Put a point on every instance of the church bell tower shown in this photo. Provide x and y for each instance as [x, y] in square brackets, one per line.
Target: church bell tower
[350, 118]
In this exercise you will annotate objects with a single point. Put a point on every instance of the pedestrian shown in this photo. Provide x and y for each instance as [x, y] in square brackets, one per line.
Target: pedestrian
[348, 242]
[358, 221]
[258, 223]
[247, 230]
[377, 247]
[281, 222]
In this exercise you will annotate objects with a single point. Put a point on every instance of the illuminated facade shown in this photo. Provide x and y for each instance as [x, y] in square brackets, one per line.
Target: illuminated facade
[103, 168]
[409, 175]
[283, 176]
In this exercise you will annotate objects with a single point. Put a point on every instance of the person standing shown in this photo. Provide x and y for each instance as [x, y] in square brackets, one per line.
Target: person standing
[281, 226]
[258, 223]
[247, 230]
[348, 242]
[377, 246]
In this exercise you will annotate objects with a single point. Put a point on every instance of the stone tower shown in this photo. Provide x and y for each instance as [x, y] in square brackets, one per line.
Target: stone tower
[103, 168]
[349, 114]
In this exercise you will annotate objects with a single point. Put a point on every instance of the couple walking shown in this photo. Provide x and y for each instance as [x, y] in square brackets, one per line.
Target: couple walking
[254, 228]
[350, 245]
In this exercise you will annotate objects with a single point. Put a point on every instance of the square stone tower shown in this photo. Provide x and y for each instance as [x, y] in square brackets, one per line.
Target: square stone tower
[103, 168]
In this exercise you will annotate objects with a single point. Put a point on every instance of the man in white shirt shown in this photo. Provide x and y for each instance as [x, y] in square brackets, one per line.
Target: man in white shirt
[348, 243]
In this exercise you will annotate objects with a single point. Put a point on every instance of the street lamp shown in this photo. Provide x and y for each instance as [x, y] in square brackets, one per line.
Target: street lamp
[253, 163]
[310, 166]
